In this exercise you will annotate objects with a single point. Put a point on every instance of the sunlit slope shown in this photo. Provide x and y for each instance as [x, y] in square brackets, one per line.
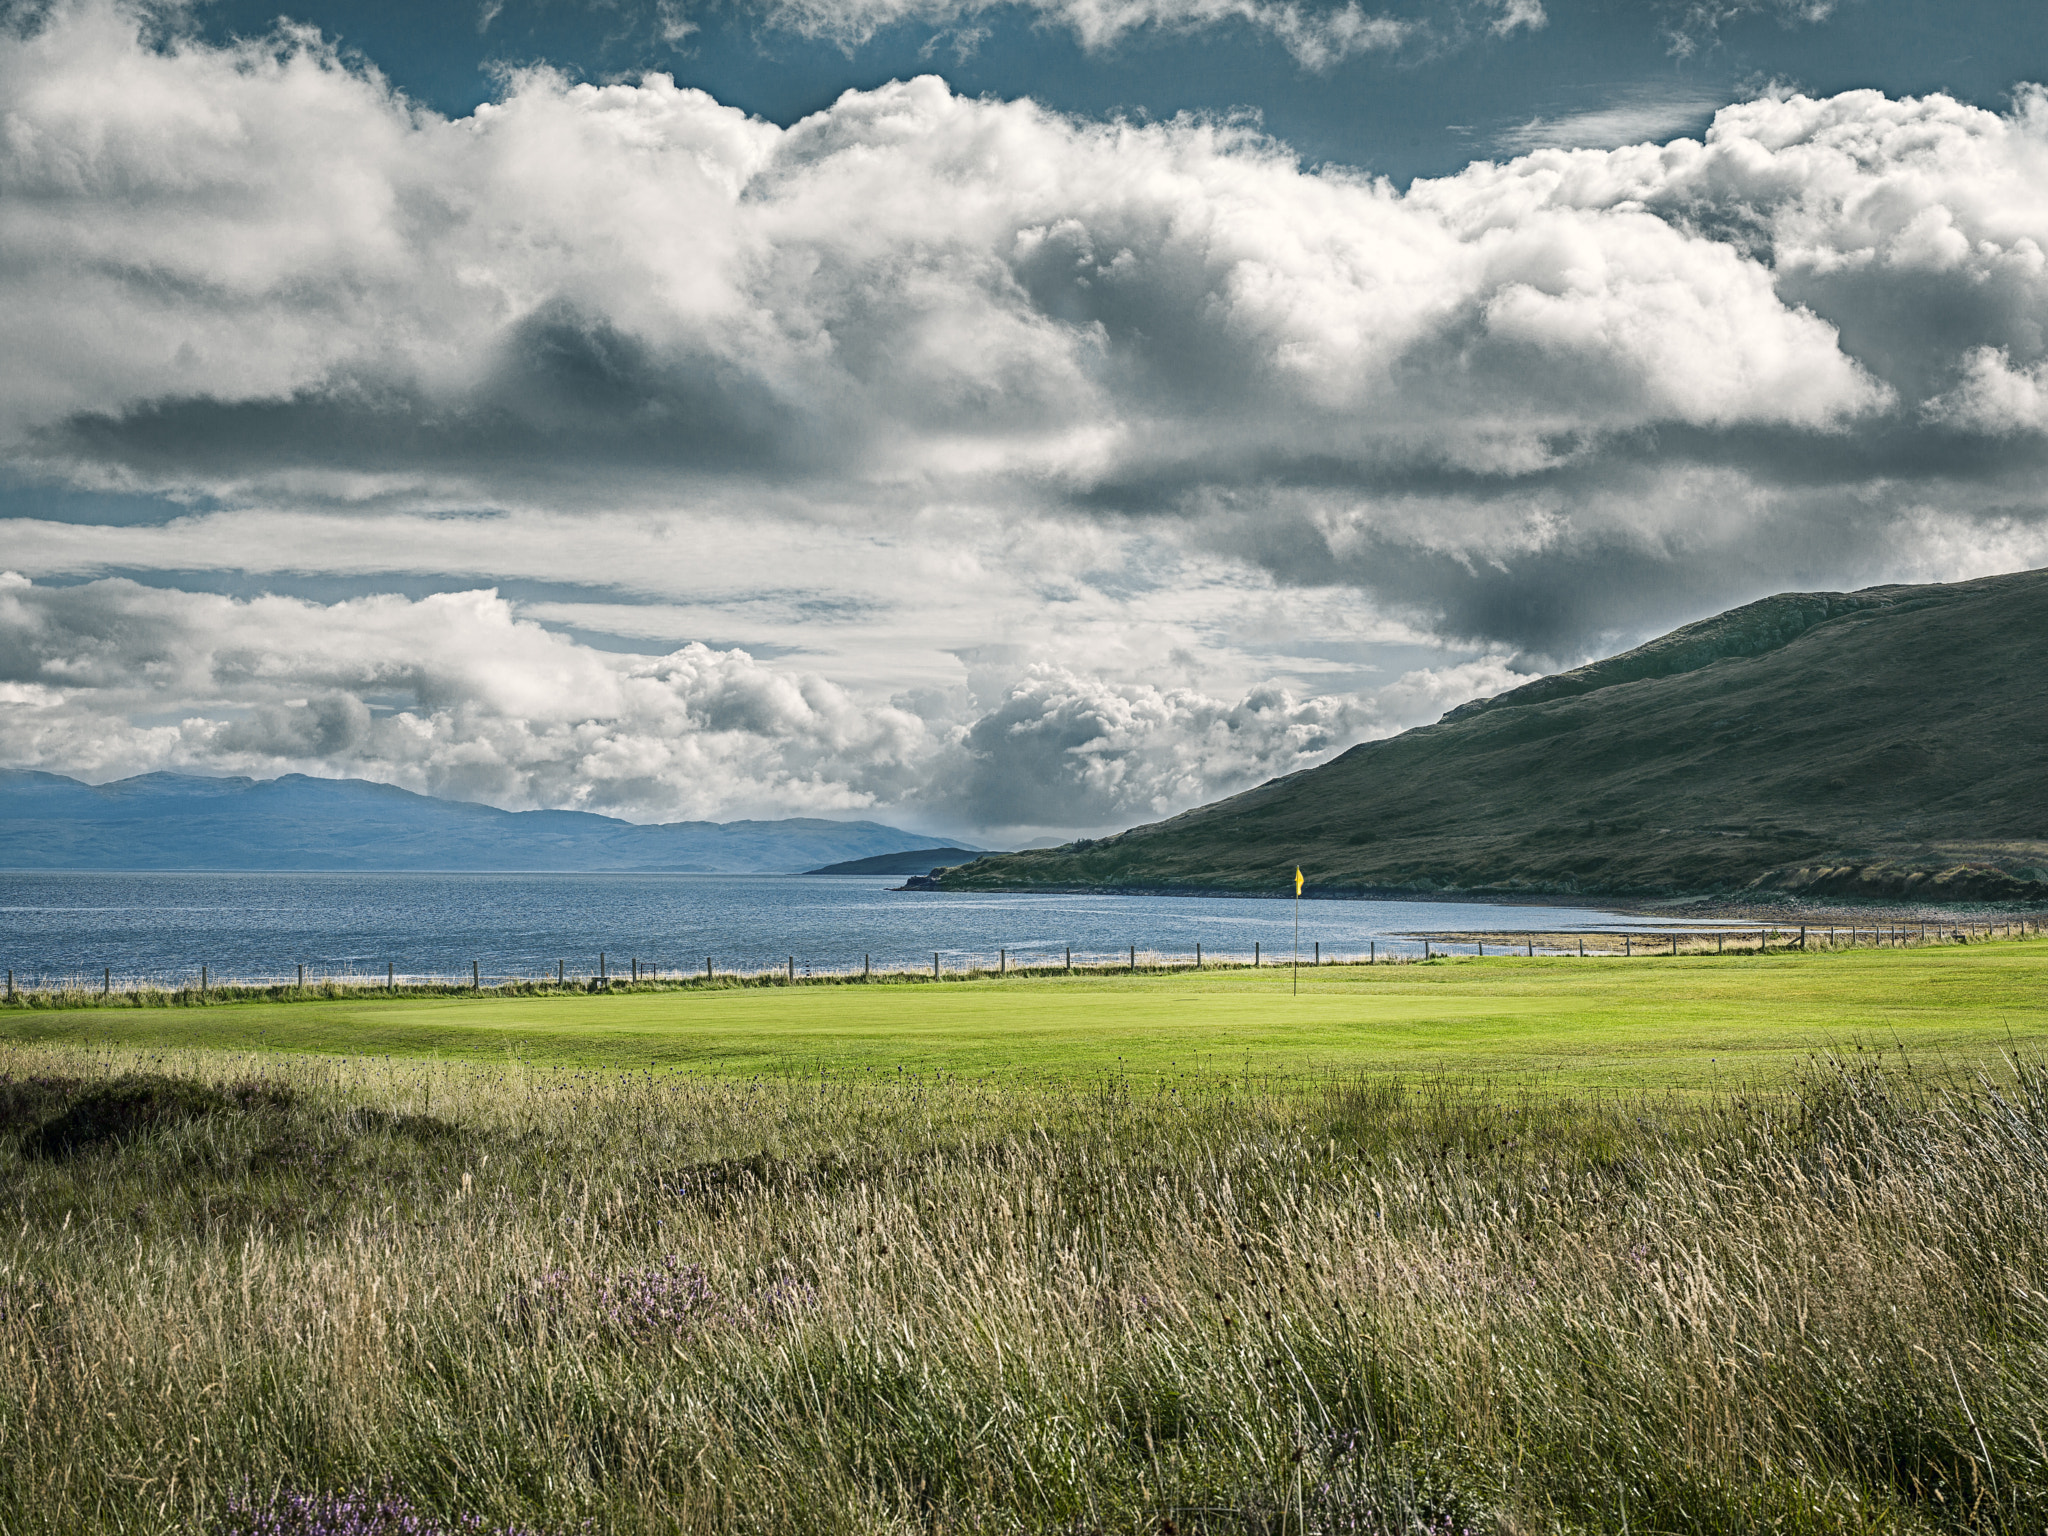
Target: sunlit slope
[1886, 742]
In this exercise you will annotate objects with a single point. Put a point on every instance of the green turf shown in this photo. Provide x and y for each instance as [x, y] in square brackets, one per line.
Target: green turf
[1682, 1023]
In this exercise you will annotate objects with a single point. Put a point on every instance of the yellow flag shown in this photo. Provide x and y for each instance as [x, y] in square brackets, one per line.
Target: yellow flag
[1297, 879]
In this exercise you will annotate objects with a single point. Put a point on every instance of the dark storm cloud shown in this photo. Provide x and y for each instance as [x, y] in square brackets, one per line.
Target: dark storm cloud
[564, 387]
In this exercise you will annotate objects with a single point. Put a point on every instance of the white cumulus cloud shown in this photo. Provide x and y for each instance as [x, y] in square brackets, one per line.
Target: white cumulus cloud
[454, 694]
[1994, 397]
[1064, 749]
[450, 694]
[235, 267]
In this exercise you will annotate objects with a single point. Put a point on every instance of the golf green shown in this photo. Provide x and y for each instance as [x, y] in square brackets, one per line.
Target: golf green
[1652, 1022]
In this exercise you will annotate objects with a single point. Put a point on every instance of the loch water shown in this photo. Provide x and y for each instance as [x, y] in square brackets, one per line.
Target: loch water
[162, 927]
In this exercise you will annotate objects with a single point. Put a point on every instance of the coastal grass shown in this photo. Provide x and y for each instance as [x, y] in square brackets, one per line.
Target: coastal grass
[276, 1292]
[1693, 1022]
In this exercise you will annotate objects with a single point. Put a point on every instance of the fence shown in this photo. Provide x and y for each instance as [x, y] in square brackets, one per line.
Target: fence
[1032, 961]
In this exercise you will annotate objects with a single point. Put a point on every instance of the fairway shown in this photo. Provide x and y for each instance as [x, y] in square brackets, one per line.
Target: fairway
[1687, 1023]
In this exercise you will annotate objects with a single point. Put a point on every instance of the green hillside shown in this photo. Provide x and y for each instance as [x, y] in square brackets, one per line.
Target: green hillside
[1884, 743]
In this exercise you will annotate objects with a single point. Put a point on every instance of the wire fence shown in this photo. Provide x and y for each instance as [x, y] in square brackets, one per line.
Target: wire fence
[608, 974]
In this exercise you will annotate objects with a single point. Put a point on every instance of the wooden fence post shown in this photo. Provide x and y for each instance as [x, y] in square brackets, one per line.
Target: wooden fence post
[476, 980]
[390, 976]
[1255, 954]
[1198, 956]
[935, 965]
[602, 973]
[202, 981]
[302, 978]
[867, 966]
[107, 983]
[1070, 957]
[1134, 959]
[1002, 962]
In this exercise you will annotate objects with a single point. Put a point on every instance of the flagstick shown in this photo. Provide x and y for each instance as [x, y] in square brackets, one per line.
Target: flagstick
[1297, 938]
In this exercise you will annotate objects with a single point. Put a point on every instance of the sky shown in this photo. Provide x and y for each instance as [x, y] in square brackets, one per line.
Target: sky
[1007, 419]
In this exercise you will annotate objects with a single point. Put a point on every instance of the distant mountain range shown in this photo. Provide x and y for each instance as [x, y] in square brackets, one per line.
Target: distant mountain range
[1890, 743]
[184, 821]
[916, 861]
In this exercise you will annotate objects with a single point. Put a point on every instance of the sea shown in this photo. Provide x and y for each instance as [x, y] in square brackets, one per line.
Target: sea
[163, 927]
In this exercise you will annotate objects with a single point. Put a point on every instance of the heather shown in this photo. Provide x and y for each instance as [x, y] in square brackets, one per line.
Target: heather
[246, 1294]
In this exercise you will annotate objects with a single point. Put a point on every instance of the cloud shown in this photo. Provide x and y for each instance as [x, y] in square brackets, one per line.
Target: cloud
[1320, 34]
[1516, 15]
[1318, 37]
[254, 272]
[672, 22]
[1063, 750]
[1993, 397]
[1428, 692]
[1697, 24]
[1123, 453]
[30, 695]
[454, 694]
[1635, 118]
[451, 694]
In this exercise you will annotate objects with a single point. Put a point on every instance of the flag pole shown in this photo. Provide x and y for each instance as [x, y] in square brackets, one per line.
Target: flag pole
[1297, 930]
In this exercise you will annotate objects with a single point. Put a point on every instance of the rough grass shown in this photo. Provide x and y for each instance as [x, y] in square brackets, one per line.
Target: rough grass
[903, 1303]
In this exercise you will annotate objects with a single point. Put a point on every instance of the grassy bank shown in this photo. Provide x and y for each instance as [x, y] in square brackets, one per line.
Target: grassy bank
[655, 1302]
[1699, 1022]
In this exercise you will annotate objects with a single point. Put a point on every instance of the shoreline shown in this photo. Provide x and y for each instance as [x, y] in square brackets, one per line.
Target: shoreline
[1776, 907]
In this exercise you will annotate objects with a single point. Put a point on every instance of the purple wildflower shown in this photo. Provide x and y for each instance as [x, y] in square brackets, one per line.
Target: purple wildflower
[356, 1512]
[669, 1297]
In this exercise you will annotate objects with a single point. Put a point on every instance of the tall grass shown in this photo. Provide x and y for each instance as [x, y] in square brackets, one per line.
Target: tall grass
[882, 1304]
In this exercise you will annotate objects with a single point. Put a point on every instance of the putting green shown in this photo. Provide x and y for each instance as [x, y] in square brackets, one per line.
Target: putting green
[1680, 1023]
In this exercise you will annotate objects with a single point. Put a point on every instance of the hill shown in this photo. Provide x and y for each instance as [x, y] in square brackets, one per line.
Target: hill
[183, 821]
[1887, 743]
[915, 861]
